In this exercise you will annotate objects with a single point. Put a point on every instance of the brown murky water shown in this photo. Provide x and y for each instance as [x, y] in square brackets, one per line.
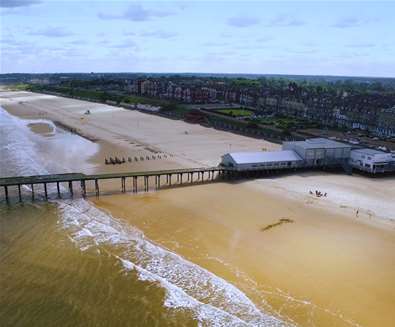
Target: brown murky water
[46, 280]
[70, 264]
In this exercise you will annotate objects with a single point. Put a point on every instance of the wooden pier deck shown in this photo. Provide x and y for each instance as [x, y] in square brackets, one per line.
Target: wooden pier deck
[201, 174]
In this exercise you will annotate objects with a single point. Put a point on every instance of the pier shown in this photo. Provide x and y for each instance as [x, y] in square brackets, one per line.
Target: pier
[155, 179]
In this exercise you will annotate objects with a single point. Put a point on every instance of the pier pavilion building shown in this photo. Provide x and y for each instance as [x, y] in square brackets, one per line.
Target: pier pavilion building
[372, 161]
[319, 152]
[262, 160]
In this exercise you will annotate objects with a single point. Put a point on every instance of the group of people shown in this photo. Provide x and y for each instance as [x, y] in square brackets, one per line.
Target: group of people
[318, 194]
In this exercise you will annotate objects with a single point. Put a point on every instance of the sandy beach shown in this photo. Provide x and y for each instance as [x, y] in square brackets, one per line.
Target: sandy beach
[126, 133]
[311, 261]
[132, 131]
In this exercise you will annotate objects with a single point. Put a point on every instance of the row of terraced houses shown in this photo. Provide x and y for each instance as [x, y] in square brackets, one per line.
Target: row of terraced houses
[371, 112]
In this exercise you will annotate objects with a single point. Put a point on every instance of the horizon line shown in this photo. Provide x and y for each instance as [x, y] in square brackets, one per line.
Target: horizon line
[203, 73]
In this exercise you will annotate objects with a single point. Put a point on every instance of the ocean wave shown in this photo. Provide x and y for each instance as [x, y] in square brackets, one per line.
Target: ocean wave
[214, 301]
[18, 151]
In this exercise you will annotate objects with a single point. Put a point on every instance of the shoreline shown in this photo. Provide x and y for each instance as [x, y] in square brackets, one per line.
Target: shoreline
[303, 268]
[74, 131]
[295, 186]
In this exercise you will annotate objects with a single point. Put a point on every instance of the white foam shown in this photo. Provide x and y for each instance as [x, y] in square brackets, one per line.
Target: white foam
[18, 152]
[213, 300]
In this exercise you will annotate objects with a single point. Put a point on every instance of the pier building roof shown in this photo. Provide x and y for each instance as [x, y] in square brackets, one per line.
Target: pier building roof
[264, 156]
[319, 142]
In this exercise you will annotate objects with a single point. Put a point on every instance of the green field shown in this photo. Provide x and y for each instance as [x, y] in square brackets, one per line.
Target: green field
[284, 123]
[236, 112]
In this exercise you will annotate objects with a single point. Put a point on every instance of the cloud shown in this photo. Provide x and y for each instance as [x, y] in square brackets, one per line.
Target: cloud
[349, 22]
[360, 45]
[225, 53]
[126, 44]
[264, 39]
[159, 34]
[284, 21]
[136, 13]
[52, 32]
[301, 51]
[17, 3]
[215, 44]
[78, 42]
[243, 21]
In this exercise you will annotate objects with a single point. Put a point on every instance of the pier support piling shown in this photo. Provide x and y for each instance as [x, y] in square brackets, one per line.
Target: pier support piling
[6, 194]
[32, 187]
[134, 184]
[157, 180]
[58, 189]
[123, 182]
[83, 188]
[71, 188]
[97, 187]
[19, 193]
[45, 191]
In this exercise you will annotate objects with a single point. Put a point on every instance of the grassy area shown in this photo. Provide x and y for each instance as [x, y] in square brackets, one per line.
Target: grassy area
[98, 95]
[144, 100]
[19, 87]
[284, 123]
[236, 112]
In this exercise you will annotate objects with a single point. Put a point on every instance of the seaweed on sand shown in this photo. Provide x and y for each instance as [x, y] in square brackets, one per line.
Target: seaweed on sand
[280, 222]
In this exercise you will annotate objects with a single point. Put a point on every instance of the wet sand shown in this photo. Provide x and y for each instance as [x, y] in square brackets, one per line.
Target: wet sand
[328, 267]
[320, 270]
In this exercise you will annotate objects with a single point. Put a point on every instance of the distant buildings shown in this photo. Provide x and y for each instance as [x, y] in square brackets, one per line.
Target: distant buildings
[367, 112]
[365, 106]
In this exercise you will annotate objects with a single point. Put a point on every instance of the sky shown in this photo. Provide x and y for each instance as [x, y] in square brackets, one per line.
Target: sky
[353, 38]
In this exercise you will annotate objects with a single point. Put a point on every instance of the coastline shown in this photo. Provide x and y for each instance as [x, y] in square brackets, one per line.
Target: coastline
[190, 144]
[221, 227]
[204, 149]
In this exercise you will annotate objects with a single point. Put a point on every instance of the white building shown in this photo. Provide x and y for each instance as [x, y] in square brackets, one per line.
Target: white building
[261, 160]
[320, 151]
[372, 161]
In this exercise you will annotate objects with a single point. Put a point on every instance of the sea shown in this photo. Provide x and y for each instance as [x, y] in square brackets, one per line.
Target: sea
[65, 262]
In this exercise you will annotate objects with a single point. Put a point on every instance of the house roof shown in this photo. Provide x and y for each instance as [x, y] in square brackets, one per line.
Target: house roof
[371, 152]
[264, 156]
[320, 142]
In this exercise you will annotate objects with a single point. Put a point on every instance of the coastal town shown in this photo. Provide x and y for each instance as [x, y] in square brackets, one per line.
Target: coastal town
[353, 110]
[197, 163]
